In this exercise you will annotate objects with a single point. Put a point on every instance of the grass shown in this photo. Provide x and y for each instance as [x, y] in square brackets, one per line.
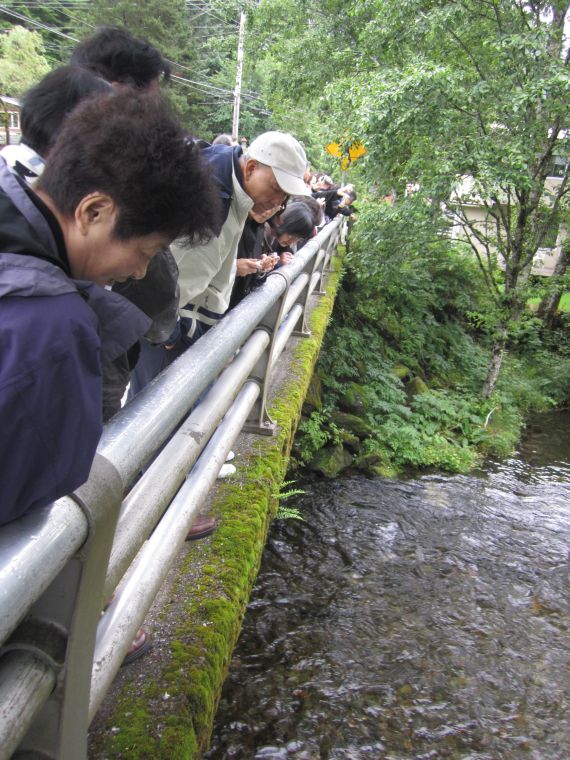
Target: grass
[564, 304]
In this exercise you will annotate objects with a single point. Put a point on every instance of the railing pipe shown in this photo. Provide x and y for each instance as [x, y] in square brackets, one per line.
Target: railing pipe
[295, 291]
[146, 503]
[34, 550]
[26, 682]
[285, 331]
[124, 615]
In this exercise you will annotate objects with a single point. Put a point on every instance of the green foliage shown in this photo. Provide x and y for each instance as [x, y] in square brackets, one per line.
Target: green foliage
[412, 331]
[315, 432]
[503, 431]
[22, 60]
[284, 512]
[288, 492]
[200, 42]
[416, 287]
[438, 92]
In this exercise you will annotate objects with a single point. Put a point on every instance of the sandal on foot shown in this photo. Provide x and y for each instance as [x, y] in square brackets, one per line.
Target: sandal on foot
[141, 645]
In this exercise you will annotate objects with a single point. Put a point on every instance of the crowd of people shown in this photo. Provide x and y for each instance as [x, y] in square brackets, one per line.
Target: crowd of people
[124, 239]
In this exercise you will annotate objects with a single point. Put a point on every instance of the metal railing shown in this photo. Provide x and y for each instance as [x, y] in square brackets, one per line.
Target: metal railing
[58, 565]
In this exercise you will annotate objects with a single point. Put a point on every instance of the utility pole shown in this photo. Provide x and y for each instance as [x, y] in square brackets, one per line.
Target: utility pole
[237, 91]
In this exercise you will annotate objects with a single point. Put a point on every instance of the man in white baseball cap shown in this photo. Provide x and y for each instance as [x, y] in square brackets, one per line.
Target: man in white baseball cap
[259, 180]
[286, 158]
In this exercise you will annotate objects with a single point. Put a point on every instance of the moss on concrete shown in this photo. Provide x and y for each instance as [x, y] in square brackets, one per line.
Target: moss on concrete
[171, 718]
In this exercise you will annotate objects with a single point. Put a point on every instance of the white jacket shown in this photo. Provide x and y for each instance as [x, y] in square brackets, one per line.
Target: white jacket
[207, 272]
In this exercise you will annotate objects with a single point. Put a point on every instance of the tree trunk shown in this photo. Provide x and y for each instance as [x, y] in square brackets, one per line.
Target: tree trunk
[496, 361]
[549, 304]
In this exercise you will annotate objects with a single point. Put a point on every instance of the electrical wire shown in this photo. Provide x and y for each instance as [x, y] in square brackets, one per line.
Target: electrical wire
[204, 87]
[38, 24]
[58, 32]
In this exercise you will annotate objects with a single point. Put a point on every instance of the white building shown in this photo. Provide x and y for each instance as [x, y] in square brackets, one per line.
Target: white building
[477, 216]
[10, 130]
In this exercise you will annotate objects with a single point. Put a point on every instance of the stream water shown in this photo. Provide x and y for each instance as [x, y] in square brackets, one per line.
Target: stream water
[413, 619]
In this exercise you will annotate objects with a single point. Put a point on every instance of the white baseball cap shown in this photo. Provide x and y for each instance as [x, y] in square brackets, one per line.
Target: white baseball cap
[285, 155]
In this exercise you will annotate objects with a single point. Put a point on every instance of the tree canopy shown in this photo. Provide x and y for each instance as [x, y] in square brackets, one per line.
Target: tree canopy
[466, 99]
[22, 60]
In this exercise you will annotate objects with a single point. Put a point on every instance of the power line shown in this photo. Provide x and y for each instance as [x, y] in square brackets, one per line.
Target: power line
[251, 96]
[22, 17]
[223, 98]
[209, 12]
[202, 84]
[205, 86]
[53, 30]
[65, 10]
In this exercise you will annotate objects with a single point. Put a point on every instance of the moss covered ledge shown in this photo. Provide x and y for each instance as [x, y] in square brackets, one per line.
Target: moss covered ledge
[164, 706]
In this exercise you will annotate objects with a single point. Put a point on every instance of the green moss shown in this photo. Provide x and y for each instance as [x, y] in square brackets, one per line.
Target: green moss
[180, 726]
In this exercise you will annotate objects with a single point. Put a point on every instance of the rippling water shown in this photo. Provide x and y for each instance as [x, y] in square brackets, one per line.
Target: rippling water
[425, 618]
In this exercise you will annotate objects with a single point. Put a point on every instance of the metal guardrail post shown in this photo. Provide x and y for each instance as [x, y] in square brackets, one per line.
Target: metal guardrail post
[310, 289]
[259, 420]
[53, 646]
[298, 291]
[320, 267]
[338, 236]
[316, 280]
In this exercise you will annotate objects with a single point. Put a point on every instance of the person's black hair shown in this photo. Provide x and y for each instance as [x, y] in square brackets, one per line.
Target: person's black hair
[129, 146]
[313, 205]
[46, 105]
[296, 220]
[351, 195]
[117, 56]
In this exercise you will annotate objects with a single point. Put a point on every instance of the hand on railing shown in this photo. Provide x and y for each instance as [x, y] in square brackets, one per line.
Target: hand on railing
[246, 266]
[267, 262]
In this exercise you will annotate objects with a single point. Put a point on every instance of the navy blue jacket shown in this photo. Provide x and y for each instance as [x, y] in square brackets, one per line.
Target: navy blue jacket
[54, 333]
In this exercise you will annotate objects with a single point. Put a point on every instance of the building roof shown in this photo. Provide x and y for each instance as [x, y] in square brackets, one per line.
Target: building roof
[10, 101]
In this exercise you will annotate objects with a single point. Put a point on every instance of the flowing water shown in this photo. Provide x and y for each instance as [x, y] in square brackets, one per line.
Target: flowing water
[413, 619]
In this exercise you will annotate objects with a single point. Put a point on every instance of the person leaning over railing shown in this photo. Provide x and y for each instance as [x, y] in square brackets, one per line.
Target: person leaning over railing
[265, 246]
[259, 180]
[252, 265]
[284, 231]
[117, 187]
[124, 60]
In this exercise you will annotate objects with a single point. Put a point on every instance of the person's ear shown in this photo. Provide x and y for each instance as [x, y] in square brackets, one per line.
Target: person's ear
[95, 209]
[249, 168]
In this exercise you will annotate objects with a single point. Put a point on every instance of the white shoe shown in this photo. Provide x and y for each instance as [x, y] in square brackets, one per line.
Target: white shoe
[230, 456]
[227, 470]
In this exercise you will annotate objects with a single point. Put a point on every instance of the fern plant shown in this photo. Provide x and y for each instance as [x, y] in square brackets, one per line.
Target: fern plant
[284, 512]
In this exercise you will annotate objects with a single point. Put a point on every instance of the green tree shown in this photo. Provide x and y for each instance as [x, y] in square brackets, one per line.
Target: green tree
[298, 47]
[464, 90]
[42, 18]
[22, 60]
[558, 284]
[469, 99]
[200, 41]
